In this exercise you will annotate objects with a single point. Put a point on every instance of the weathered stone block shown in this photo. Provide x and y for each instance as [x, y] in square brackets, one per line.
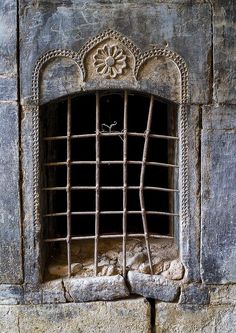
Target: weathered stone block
[175, 318]
[8, 36]
[220, 295]
[224, 51]
[94, 317]
[219, 117]
[218, 206]
[11, 294]
[10, 233]
[194, 294]
[8, 88]
[56, 25]
[95, 288]
[153, 286]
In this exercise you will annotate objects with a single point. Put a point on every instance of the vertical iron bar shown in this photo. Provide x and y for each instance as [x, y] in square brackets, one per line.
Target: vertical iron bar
[68, 187]
[142, 174]
[97, 190]
[124, 226]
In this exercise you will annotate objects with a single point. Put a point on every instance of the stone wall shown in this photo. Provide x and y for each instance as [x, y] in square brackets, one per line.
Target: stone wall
[203, 33]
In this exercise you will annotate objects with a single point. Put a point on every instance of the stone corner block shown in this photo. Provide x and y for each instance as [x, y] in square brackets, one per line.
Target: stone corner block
[153, 286]
[194, 294]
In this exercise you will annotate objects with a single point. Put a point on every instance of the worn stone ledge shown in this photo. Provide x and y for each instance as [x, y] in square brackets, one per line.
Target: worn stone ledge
[95, 288]
[123, 316]
[173, 318]
[153, 286]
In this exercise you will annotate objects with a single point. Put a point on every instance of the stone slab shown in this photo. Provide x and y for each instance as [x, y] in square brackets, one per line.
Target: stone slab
[175, 318]
[218, 245]
[8, 88]
[224, 42]
[219, 117]
[94, 317]
[8, 37]
[53, 25]
[153, 286]
[10, 231]
[95, 288]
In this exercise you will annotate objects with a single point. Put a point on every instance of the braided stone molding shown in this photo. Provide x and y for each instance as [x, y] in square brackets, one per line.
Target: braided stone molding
[139, 60]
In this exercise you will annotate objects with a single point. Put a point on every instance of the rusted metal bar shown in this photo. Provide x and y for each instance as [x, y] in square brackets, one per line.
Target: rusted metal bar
[112, 162]
[154, 136]
[68, 181]
[108, 236]
[97, 190]
[112, 212]
[142, 174]
[124, 220]
[149, 188]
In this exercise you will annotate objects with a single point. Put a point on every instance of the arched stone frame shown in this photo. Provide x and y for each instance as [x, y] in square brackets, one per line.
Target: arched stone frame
[139, 59]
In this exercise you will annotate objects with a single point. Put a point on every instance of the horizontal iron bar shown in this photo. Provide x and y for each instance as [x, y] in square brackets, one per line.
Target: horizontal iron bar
[50, 240]
[152, 188]
[93, 135]
[112, 212]
[112, 162]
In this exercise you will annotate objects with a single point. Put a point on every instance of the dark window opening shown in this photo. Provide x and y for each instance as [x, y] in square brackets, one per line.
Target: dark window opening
[109, 168]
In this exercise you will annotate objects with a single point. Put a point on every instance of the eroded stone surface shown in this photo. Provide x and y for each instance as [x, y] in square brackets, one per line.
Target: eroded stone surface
[10, 233]
[155, 286]
[223, 294]
[218, 206]
[95, 288]
[224, 44]
[174, 318]
[95, 317]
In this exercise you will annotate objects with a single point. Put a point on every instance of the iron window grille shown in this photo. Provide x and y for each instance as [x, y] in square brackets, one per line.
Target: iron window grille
[96, 145]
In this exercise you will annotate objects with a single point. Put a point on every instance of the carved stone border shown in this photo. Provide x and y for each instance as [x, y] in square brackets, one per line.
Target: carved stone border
[140, 59]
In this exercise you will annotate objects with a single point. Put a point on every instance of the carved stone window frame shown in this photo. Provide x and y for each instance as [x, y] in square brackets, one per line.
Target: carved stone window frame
[117, 46]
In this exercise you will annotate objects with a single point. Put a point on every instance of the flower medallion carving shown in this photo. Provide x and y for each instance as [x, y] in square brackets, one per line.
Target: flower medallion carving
[110, 61]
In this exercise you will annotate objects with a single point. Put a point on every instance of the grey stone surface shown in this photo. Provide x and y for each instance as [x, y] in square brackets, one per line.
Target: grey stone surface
[218, 206]
[219, 117]
[10, 231]
[153, 286]
[224, 51]
[194, 294]
[175, 318]
[11, 294]
[220, 295]
[94, 317]
[52, 25]
[8, 88]
[8, 37]
[95, 288]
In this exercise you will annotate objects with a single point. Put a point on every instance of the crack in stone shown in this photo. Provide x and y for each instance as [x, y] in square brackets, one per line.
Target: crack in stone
[67, 295]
